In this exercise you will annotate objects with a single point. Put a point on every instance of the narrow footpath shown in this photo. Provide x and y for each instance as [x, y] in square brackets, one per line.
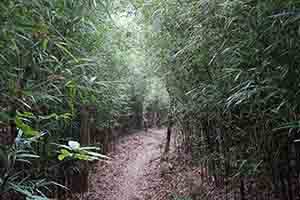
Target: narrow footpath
[134, 172]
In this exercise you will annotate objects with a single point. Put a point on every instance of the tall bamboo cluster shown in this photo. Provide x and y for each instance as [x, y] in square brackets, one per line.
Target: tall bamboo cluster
[232, 68]
[55, 56]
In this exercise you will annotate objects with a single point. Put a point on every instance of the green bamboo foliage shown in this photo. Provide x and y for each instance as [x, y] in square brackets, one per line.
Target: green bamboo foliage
[54, 57]
[231, 67]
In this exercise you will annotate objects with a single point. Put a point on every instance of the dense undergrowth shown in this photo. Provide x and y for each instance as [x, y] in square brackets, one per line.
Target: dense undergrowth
[55, 57]
[231, 69]
[51, 53]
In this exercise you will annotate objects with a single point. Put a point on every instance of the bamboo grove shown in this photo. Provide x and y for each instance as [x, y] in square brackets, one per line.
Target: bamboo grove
[55, 57]
[227, 70]
[231, 69]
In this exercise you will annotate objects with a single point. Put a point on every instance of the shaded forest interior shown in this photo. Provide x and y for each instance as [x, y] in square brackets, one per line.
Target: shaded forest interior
[220, 75]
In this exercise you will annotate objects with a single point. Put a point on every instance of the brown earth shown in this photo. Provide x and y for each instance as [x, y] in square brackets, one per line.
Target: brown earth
[134, 173]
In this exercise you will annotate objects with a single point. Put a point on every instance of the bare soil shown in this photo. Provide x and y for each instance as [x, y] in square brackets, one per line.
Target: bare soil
[134, 172]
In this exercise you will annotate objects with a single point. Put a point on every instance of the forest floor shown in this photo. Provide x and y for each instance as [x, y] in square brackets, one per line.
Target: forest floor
[134, 172]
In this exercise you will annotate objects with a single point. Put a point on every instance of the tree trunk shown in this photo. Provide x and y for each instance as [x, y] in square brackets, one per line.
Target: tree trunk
[169, 133]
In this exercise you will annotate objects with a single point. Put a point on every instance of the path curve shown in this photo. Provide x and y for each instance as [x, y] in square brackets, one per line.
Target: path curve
[135, 158]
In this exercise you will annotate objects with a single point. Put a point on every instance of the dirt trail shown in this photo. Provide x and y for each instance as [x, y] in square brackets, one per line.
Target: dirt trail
[135, 158]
